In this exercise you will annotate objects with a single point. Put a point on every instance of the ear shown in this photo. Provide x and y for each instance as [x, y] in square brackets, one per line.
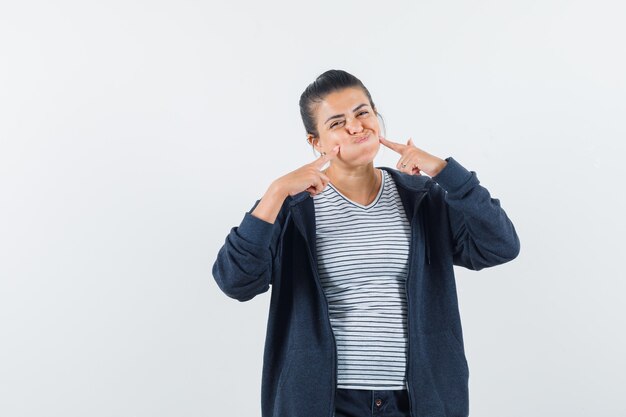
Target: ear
[313, 141]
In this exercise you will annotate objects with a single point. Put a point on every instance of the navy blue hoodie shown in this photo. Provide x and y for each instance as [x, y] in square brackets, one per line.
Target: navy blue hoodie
[454, 221]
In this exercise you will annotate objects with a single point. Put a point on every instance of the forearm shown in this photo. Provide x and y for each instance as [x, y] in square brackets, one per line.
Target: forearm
[244, 264]
[270, 204]
[483, 233]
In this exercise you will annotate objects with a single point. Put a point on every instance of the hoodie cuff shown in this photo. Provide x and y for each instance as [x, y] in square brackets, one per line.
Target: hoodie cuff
[453, 176]
[255, 230]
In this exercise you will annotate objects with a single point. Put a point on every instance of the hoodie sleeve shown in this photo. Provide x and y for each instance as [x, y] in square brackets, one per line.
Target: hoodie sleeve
[482, 233]
[250, 256]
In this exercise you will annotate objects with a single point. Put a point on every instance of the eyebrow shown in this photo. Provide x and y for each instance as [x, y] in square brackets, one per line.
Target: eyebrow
[337, 116]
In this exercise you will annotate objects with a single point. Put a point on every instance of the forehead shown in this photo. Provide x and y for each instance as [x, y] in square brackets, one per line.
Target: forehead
[342, 102]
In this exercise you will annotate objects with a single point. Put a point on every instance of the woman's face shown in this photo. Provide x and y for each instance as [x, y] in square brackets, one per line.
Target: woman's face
[344, 118]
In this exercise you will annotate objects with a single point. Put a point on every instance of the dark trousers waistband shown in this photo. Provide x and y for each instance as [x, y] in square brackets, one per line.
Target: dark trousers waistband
[371, 403]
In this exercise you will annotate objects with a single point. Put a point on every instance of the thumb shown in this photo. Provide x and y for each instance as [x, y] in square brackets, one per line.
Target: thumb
[410, 142]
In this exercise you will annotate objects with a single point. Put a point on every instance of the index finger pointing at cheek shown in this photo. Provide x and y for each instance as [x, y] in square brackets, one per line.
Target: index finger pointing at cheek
[325, 157]
[392, 145]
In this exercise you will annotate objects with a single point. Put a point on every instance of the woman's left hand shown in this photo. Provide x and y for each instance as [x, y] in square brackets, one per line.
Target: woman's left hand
[413, 159]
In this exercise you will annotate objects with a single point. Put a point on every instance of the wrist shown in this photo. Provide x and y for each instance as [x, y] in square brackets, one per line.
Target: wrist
[439, 167]
[276, 190]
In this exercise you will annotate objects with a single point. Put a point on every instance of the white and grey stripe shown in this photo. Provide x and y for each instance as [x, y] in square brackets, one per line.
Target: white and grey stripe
[362, 260]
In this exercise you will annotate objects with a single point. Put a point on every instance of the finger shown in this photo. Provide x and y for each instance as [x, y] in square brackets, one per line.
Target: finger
[405, 166]
[410, 168]
[398, 147]
[415, 170]
[312, 190]
[404, 169]
[321, 161]
[320, 185]
[400, 164]
[410, 142]
[317, 185]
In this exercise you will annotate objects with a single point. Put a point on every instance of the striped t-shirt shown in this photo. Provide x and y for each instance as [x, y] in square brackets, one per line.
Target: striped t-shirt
[362, 261]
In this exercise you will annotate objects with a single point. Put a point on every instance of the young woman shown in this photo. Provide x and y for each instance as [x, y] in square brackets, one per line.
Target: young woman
[363, 316]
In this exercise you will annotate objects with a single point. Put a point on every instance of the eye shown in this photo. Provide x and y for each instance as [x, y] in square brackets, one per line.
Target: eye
[333, 125]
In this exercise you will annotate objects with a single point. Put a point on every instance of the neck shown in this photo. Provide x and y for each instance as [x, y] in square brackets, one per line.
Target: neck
[359, 184]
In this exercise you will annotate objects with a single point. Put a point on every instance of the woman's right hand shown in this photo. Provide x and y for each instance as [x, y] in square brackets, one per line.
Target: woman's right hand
[308, 177]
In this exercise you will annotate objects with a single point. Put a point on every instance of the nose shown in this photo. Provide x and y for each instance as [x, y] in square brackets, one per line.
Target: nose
[354, 126]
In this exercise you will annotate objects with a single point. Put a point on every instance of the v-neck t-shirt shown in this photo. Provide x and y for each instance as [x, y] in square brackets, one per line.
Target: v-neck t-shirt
[362, 262]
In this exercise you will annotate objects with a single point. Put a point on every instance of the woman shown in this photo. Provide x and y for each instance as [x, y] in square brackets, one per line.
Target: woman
[363, 314]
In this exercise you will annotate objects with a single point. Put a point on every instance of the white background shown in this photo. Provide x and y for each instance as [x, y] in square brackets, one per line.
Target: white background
[135, 134]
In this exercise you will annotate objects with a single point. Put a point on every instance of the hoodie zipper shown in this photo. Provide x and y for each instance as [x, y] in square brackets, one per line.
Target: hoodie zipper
[408, 303]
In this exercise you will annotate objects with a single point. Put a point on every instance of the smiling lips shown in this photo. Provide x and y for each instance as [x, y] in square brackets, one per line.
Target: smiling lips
[361, 139]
